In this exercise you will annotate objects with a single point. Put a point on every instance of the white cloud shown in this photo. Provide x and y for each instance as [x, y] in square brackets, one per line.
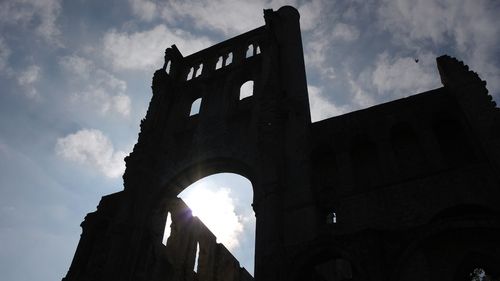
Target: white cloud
[403, 76]
[360, 98]
[27, 78]
[28, 13]
[216, 209]
[472, 28]
[144, 50]
[93, 148]
[230, 17]
[145, 9]
[98, 88]
[316, 55]
[345, 32]
[310, 13]
[321, 107]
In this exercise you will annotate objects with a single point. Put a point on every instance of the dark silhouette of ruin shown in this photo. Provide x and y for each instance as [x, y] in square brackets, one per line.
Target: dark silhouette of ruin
[406, 190]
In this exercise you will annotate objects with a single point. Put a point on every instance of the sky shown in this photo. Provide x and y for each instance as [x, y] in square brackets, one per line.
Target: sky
[75, 81]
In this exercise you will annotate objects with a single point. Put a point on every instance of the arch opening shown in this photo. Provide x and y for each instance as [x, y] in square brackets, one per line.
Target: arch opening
[195, 107]
[246, 89]
[222, 202]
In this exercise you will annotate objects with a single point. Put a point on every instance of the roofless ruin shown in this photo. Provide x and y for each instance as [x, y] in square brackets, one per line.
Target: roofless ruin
[406, 190]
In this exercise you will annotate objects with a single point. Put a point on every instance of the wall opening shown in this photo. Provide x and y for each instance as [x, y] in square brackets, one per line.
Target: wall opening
[168, 230]
[331, 218]
[219, 63]
[199, 70]
[196, 257]
[190, 74]
[250, 51]
[223, 203]
[246, 90]
[167, 67]
[229, 59]
[257, 50]
[195, 107]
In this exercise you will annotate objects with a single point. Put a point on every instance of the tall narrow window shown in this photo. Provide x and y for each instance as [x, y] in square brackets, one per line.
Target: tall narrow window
[229, 59]
[195, 107]
[199, 70]
[246, 90]
[167, 231]
[257, 50]
[190, 74]
[331, 218]
[249, 51]
[167, 67]
[219, 63]
[196, 257]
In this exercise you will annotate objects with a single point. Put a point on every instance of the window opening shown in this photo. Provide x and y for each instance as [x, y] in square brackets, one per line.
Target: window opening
[219, 63]
[257, 50]
[331, 218]
[190, 74]
[167, 67]
[195, 107]
[229, 59]
[199, 70]
[197, 257]
[167, 231]
[250, 51]
[246, 90]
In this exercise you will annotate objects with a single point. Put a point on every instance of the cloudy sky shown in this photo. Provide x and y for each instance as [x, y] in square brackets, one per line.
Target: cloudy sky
[75, 81]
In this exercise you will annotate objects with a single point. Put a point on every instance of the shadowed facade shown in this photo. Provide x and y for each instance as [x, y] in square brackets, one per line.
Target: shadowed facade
[406, 190]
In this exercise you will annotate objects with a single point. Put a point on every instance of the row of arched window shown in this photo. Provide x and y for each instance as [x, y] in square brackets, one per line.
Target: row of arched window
[246, 90]
[406, 147]
[224, 60]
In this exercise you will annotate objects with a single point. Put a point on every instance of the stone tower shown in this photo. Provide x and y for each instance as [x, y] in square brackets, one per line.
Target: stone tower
[407, 190]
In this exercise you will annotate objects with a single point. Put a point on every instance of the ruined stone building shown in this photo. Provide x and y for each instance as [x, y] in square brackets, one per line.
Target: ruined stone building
[405, 190]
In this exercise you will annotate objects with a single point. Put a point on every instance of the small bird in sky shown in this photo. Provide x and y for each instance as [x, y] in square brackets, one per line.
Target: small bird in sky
[416, 60]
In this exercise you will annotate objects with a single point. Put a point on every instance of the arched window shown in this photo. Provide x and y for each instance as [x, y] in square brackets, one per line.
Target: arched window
[331, 218]
[219, 63]
[229, 59]
[257, 50]
[195, 107]
[250, 51]
[167, 67]
[246, 90]
[190, 74]
[199, 70]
